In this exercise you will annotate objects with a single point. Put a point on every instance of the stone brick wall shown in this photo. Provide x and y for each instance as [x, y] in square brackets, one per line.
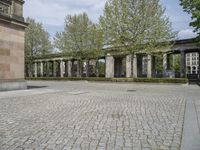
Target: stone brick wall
[11, 52]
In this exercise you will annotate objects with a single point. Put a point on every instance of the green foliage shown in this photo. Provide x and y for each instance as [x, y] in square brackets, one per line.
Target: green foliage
[193, 7]
[159, 64]
[146, 80]
[135, 25]
[37, 41]
[81, 37]
[101, 68]
[176, 59]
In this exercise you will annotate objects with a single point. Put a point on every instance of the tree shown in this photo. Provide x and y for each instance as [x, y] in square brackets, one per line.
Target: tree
[81, 38]
[37, 42]
[135, 25]
[193, 7]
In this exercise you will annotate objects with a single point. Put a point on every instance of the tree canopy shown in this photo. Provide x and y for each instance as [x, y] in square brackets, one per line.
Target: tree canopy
[193, 7]
[135, 25]
[37, 41]
[81, 37]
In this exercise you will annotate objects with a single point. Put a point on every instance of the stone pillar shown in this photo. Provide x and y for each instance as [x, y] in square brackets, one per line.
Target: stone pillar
[165, 62]
[183, 65]
[41, 69]
[30, 69]
[128, 66]
[109, 66]
[149, 66]
[12, 31]
[61, 69]
[199, 65]
[135, 68]
[97, 68]
[87, 68]
[54, 68]
[173, 61]
[47, 68]
[78, 69]
[69, 67]
[36, 69]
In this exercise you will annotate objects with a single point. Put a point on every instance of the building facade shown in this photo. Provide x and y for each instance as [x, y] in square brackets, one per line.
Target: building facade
[192, 63]
[12, 29]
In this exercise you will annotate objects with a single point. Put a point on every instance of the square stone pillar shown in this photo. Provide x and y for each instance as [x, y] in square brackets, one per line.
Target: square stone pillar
[47, 68]
[135, 68]
[54, 68]
[149, 66]
[12, 32]
[69, 68]
[41, 69]
[165, 64]
[35, 69]
[173, 60]
[78, 74]
[199, 65]
[87, 67]
[97, 68]
[183, 64]
[61, 69]
[109, 66]
[128, 66]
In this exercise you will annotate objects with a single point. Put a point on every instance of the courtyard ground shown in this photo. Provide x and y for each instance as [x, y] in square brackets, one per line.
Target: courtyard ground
[110, 116]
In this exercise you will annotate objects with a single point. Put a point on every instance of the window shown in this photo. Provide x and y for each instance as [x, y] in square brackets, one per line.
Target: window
[188, 55]
[193, 70]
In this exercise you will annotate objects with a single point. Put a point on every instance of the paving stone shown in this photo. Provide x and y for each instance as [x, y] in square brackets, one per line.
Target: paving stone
[101, 116]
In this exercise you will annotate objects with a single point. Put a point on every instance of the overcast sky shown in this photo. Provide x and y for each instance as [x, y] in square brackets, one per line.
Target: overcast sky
[52, 13]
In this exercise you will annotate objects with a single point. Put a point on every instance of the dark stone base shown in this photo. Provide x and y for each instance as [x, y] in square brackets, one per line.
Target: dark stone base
[8, 85]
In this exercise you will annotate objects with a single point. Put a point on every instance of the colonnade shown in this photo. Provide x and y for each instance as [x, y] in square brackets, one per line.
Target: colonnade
[115, 66]
[133, 65]
[61, 68]
[125, 65]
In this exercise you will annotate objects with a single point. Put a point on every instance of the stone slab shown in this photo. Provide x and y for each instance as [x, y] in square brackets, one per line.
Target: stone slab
[6, 85]
[191, 134]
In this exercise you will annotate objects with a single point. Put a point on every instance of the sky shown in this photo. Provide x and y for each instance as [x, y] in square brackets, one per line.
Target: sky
[51, 13]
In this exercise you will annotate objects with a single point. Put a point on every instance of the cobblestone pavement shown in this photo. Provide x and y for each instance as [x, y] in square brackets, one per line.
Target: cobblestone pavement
[81, 115]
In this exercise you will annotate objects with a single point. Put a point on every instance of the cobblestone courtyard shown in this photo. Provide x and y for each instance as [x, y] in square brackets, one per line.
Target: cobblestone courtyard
[82, 115]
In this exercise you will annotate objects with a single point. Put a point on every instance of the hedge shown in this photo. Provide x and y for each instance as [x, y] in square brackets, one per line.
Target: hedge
[145, 80]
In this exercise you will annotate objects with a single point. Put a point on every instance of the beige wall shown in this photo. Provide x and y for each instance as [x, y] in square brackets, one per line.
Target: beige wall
[11, 52]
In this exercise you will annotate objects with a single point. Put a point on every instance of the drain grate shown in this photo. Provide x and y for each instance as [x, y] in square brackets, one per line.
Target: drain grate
[131, 90]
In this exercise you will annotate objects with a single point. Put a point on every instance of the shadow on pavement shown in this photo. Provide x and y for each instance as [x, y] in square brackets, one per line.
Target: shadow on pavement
[36, 87]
